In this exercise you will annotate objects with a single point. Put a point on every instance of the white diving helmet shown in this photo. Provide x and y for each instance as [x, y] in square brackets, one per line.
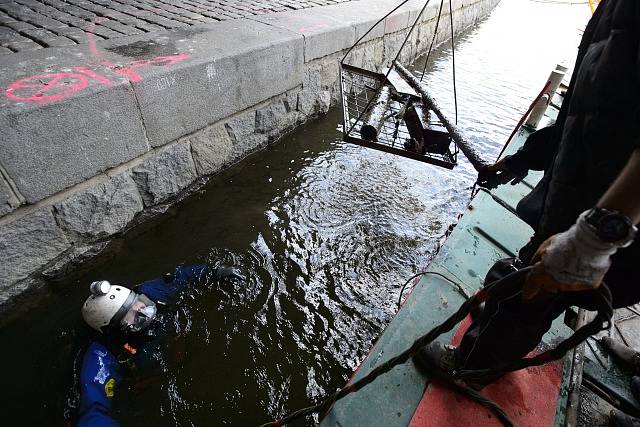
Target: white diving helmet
[116, 308]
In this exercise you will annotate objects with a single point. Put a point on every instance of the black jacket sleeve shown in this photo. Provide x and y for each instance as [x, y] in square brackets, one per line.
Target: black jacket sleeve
[536, 153]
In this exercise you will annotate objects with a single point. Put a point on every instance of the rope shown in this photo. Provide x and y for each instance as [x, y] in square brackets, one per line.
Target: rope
[422, 273]
[433, 40]
[453, 53]
[462, 388]
[371, 29]
[605, 311]
[456, 285]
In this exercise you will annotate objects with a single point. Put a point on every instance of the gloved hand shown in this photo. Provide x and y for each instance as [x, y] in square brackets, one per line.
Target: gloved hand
[498, 174]
[575, 260]
[228, 273]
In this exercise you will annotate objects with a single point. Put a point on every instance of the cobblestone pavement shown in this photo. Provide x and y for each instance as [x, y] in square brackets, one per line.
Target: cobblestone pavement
[36, 24]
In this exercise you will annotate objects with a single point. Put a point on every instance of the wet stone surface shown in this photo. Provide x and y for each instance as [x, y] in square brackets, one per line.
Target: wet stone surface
[35, 24]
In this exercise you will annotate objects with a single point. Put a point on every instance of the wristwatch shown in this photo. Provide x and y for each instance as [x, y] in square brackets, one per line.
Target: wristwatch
[611, 226]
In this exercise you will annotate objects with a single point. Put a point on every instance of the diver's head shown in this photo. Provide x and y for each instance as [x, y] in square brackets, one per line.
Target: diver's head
[114, 309]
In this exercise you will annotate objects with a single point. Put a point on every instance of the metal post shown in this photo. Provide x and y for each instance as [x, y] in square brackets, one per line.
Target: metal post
[554, 80]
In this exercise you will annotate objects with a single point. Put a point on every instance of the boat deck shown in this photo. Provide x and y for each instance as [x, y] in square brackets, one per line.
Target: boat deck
[603, 375]
[489, 230]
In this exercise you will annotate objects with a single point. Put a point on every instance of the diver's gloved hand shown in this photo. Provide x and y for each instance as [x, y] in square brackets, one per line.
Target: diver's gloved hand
[228, 273]
[499, 173]
[575, 260]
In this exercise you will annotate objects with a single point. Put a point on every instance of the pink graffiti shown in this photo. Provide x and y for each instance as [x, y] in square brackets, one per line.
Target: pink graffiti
[129, 74]
[46, 87]
[51, 87]
[159, 61]
[92, 74]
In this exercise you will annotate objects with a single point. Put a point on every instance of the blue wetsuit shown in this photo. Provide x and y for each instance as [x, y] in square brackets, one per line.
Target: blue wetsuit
[101, 373]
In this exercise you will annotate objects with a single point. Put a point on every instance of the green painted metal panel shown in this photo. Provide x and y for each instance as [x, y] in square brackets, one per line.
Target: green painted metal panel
[600, 368]
[563, 399]
[486, 233]
[391, 399]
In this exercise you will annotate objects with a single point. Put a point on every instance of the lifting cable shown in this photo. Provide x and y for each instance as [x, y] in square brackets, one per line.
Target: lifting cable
[433, 40]
[395, 59]
[457, 379]
[460, 141]
[461, 290]
[453, 53]
[458, 287]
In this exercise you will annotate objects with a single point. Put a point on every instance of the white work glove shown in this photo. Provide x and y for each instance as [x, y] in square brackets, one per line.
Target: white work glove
[578, 255]
[575, 260]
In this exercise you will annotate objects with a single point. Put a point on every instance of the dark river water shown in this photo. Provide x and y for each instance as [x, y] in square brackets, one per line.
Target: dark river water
[326, 233]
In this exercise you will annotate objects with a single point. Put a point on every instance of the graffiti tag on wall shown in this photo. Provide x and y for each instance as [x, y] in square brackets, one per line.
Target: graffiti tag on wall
[51, 87]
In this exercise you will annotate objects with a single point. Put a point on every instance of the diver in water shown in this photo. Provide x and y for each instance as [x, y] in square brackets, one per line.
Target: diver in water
[130, 328]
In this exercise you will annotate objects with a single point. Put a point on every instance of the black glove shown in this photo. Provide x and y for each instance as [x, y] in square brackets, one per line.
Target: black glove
[537, 153]
[499, 173]
[228, 273]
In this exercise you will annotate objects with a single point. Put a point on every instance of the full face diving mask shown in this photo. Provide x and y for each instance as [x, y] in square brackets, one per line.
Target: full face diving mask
[139, 316]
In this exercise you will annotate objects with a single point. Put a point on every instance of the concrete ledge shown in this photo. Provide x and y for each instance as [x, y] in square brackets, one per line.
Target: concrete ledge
[99, 137]
[52, 147]
[108, 114]
[241, 63]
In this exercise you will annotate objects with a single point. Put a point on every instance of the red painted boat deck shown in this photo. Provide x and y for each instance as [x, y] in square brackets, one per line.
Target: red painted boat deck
[528, 397]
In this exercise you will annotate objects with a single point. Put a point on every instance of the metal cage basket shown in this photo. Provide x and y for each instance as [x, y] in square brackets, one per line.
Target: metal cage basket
[376, 116]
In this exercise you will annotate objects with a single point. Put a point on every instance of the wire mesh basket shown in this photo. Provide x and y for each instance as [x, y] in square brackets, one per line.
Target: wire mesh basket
[365, 100]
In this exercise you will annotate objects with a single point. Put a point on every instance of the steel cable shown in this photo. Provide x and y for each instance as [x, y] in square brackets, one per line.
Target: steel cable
[433, 40]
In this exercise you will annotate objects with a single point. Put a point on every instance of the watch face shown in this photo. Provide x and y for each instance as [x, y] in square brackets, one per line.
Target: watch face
[614, 228]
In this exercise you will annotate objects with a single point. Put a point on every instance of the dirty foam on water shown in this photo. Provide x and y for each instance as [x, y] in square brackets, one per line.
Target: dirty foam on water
[326, 232]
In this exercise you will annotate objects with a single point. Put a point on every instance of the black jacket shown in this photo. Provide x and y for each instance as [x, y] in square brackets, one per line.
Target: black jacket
[597, 130]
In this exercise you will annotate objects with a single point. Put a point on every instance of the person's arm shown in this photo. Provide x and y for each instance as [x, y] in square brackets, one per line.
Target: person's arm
[165, 290]
[535, 154]
[99, 377]
[196, 273]
[624, 194]
[578, 259]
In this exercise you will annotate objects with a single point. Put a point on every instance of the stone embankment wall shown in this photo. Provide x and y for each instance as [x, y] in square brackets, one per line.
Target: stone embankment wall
[99, 137]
